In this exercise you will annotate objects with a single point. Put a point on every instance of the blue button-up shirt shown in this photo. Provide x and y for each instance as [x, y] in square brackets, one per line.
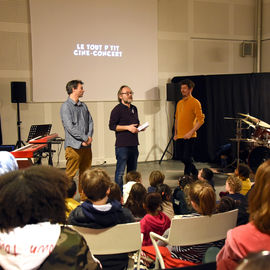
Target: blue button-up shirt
[77, 122]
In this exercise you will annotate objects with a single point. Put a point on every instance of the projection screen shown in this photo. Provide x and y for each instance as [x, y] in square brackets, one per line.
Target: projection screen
[104, 43]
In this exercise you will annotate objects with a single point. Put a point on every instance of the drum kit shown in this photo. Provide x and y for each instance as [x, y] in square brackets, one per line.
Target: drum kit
[259, 140]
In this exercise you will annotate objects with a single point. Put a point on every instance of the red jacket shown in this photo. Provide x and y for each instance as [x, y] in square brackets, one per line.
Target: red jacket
[158, 224]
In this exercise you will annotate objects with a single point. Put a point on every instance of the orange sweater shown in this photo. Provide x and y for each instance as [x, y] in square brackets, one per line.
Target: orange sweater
[188, 112]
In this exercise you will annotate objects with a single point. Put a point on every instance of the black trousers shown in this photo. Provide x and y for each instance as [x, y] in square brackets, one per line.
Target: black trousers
[184, 152]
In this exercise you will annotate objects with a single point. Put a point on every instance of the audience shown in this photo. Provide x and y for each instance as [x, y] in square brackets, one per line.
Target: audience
[226, 204]
[203, 200]
[181, 201]
[255, 235]
[233, 187]
[206, 174]
[132, 178]
[154, 220]
[243, 171]
[8, 162]
[71, 192]
[135, 201]
[115, 193]
[156, 178]
[32, 209]
[99, 212]
[166, 195]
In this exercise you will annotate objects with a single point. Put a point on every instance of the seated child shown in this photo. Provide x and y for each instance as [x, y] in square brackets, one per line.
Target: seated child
[131, 178]
[206, 174]
[135, 201]
[156, 178]
[243, 171]
[233, 187]
[181, 202]
[99, 212]
[203, 200]
[166, 195]
[115, 193]
[71, 204]
[154, 220]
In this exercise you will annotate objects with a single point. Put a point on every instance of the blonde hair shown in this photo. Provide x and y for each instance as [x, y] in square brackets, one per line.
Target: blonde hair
[156, 178]
[259, 200]
[234, 183]
[204, 196]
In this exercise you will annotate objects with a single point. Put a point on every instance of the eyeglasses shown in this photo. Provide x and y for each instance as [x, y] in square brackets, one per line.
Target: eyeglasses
[127, 93]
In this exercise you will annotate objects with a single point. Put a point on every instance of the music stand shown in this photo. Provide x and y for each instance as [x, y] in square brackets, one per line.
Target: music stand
[39, 130]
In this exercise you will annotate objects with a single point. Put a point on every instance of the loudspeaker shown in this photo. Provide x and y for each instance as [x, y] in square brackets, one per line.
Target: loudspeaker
[173, 92]
[18, 92]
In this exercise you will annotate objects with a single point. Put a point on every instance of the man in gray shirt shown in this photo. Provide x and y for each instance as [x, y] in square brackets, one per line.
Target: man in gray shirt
[78, 125]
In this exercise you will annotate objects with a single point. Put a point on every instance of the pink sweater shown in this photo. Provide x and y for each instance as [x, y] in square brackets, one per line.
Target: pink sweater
[158, 224]
[241, 241]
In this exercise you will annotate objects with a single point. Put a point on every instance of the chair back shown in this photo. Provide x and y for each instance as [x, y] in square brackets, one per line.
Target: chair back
[118, 239]
[185, 231]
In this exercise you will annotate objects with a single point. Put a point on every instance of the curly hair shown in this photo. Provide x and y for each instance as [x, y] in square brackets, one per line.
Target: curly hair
[259, 200]
[33, 195]
[235, 183]
[153, 202]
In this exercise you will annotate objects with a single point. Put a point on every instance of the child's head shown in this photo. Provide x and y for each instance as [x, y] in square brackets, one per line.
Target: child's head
[243, 171]
[72, 187]
[185, 180]
[137, 193]
[115, 192]
[96, 184]
[156, 178]
[203, 198]
[134, 176]
[152, 203]
[165, 192]
[233, 184]
[227, 204]
[205, 174]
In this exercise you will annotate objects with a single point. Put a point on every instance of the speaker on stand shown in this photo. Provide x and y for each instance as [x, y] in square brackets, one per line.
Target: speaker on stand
[18, 95]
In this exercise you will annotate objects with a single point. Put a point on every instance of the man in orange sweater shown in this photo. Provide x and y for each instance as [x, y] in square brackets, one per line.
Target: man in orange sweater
[188, 119]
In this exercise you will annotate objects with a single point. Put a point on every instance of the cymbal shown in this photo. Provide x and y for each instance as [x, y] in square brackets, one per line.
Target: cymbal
[249, 123]
[263, 124]
[243, 140]
[231, 118]
[256, 120]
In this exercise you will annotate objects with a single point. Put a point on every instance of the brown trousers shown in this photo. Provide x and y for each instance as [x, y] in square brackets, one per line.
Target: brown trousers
[78, 159]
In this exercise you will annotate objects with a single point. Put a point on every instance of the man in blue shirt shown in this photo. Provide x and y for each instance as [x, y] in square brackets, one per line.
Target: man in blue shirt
[78, 125]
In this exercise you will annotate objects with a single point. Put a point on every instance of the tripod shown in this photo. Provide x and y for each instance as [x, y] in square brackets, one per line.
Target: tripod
[19, 143]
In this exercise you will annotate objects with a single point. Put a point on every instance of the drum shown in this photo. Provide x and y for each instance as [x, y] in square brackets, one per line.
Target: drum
[261, 134]
[257, 156]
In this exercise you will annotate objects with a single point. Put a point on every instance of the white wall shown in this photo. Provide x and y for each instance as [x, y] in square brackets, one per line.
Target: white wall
[265, 64]
[194, 37]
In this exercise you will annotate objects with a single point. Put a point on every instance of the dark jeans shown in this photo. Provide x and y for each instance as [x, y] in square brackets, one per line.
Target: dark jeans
[184, 150]
[126, 157]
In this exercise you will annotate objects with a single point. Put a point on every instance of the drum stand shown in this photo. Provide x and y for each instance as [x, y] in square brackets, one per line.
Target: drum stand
[238, 139]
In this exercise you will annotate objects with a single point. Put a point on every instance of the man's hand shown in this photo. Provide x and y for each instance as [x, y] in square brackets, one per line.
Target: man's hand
[133, 128]
[175, 137]
[88, 142]
[188, 135]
